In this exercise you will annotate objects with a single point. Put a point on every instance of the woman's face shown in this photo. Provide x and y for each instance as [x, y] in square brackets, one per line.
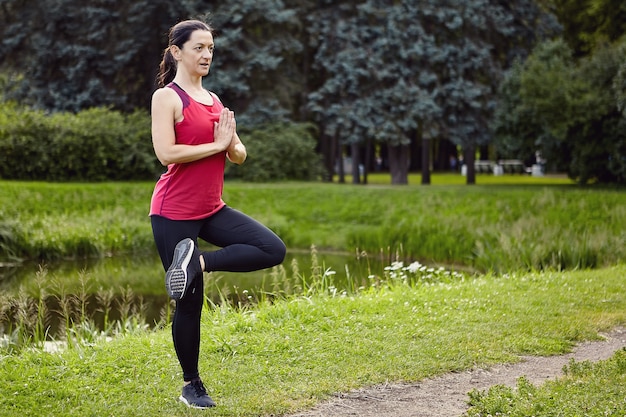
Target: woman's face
[197, 53]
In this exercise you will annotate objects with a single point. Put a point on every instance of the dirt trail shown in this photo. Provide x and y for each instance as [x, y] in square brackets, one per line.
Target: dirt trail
[446, 396]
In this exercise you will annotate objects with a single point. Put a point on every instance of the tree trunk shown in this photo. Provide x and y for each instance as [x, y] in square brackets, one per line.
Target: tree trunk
[469, 156]
[415, 152]
[399, 164]
[425, 160]
[483, 152]
[328, 149]
[356, 159]
[340, 170]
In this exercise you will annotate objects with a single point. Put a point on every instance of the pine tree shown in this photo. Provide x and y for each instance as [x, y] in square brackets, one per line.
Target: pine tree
[397, 71]
[70, 57]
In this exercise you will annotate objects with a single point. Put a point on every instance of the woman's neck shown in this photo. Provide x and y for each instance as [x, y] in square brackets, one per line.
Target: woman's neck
[194, 89]
[189, 84]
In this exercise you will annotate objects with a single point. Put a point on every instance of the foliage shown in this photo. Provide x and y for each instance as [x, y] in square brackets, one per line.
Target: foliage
[394, 70]
[278, 151]
[256, 68]
[101, 144]
[73, 57]
[93, 145]
[567, 109]
[371, 89]
[391, 72]
[590, 24]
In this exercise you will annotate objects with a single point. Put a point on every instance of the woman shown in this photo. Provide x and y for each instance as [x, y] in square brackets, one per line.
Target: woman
[193, 134]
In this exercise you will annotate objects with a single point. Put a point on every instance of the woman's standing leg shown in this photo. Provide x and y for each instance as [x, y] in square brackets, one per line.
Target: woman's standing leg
[186, 320]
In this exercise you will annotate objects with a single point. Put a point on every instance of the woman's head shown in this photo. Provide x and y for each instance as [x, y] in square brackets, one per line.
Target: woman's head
[179, 34]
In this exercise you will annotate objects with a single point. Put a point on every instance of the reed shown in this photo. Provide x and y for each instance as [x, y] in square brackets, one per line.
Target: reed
[78, 323]
[54, 315]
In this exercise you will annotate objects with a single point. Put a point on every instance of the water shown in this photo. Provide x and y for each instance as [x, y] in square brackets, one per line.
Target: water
[134, 285]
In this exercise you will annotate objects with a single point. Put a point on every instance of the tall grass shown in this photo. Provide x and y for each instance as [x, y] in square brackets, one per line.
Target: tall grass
[485, 227]
[50, 317]
[51, 314]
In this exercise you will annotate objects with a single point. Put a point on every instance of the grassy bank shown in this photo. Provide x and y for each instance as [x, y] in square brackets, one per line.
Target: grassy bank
[531, 224]
[275, 358]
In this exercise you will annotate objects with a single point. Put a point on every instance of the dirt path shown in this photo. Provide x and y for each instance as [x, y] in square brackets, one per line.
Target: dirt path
[446, 396]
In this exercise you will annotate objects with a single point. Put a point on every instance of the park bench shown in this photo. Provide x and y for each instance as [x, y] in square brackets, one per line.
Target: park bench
[483, 167]
[503, 166]
[513, 166]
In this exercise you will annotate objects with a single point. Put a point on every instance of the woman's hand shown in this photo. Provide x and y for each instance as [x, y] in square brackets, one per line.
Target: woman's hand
[225, 130]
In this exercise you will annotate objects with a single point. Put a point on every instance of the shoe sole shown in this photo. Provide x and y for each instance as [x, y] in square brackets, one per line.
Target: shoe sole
[188, 404]
[176, 279]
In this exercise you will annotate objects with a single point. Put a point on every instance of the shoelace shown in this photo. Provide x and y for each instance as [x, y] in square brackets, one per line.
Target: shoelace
[198, 386]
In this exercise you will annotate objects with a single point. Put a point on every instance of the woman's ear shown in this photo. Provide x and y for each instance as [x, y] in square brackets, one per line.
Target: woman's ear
[175, 51]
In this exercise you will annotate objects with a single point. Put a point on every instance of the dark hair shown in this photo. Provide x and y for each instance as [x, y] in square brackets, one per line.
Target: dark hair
[179, 34]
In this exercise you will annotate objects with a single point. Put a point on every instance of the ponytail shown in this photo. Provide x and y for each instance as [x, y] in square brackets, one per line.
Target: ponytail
[167, 69]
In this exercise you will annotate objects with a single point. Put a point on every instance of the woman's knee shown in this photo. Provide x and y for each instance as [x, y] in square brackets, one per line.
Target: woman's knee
[278, 253]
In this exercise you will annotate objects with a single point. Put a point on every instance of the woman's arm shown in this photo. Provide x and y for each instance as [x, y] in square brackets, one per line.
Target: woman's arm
[236, 152]
[167, 109]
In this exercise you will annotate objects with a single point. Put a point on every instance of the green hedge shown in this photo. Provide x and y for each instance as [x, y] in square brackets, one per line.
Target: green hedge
[278, 151]
[100, 144]
[97, 144]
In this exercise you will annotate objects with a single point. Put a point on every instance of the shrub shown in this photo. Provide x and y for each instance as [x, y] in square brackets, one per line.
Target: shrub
[278, 151]
[101, 144]
[97, 144]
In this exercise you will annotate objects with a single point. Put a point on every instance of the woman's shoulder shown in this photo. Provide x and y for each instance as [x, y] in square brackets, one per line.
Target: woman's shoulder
[166, 96]
[164, 92]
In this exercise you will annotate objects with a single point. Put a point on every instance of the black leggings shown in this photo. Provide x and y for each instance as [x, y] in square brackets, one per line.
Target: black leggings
[246, 245]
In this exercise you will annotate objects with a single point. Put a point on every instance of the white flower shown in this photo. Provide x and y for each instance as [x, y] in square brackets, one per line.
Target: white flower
[414, 267]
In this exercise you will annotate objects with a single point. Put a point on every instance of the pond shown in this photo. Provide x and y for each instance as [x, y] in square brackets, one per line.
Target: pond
[108, 289]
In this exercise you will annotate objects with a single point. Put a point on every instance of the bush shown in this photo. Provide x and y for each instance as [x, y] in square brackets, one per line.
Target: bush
[278, 151]
[100, 144]
[97, 144]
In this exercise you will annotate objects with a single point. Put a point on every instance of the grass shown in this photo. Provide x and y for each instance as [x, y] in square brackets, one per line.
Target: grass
[549, 272]
[274, 358]
[582, 391]
[493, 227]
[44, 313]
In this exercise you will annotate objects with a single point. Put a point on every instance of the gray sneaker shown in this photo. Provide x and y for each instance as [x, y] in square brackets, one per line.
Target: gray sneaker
[184, 268]
[195, 395]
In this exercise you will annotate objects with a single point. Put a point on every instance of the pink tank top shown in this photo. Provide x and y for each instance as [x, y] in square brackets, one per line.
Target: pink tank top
[192, 190]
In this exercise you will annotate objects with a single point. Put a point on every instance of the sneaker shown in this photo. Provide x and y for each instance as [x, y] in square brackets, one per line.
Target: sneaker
[185, 266]
[194, 395]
